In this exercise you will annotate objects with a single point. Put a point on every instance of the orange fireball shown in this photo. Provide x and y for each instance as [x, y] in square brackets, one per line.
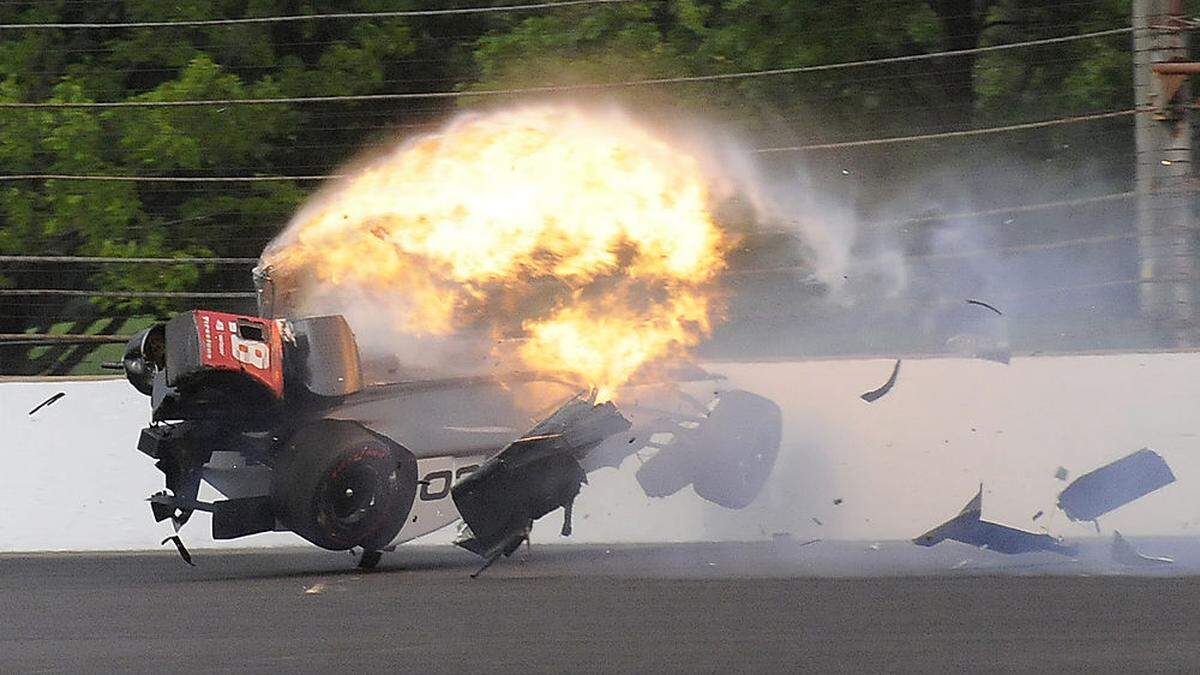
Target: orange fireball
[580, 231]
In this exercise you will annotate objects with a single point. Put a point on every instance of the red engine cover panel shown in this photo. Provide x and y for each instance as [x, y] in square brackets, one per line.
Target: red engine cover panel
[248, 344]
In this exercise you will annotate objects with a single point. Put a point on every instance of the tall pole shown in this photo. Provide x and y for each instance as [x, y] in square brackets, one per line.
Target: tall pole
[1167, 247]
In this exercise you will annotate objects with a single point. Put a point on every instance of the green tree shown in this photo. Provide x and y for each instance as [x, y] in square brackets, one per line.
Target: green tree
[163, 219]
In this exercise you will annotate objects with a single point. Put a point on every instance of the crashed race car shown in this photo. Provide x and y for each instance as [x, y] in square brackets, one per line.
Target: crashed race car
[277, 415]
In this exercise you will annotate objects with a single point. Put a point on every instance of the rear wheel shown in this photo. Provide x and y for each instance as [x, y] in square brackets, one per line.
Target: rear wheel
[339, 485]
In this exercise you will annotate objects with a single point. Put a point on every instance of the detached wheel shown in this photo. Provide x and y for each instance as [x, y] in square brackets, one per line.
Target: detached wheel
[339, 485]
[736, 449]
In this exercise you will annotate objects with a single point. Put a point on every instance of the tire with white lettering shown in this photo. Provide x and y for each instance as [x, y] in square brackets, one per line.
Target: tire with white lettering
[339, 485]
[736, 449]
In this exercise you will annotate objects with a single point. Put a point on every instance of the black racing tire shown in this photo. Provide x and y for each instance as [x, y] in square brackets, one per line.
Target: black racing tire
[736, 449]
[339, 485]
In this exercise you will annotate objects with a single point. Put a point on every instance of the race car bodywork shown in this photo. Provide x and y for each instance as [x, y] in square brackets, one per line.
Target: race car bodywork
[278, 417]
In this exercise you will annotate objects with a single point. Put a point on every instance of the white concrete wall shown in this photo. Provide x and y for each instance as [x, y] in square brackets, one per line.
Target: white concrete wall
[913, 458]
[72, 478]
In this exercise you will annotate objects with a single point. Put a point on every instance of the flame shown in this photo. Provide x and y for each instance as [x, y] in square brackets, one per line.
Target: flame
[580, 230]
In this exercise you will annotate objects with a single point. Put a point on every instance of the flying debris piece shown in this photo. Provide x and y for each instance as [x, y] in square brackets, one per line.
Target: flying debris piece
[1125, 554]
[1062, 473]
[984, 304]
[872, 396]
[838, 501]
[817, 521]
[183, 552]
[970, 528]
[873, 547]
[1114, 485]
[1037, 515]
[48, 401]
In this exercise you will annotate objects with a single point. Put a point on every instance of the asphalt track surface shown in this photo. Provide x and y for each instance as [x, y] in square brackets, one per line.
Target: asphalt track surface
[681, 608]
